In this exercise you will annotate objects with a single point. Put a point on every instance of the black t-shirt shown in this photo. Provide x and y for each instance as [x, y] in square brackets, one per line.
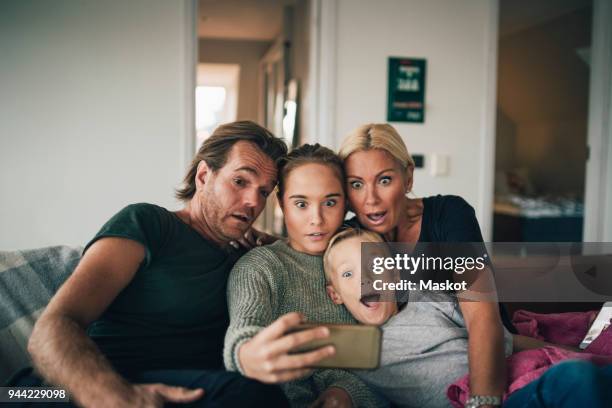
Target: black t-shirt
[448, 218]
[173, 314]
[445, 218]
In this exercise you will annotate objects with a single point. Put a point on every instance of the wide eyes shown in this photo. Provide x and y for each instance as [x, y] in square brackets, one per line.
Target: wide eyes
[329, 203]
[347, 274]
[356, 185]
[383, 180]
[326, 203]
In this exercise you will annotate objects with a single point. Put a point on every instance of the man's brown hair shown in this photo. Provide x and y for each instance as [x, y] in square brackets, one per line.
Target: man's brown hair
[215, 149]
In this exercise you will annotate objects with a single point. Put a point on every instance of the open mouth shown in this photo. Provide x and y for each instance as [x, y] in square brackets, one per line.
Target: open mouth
[317, 235]
[242, 217]
[377, 217]
[369, 299]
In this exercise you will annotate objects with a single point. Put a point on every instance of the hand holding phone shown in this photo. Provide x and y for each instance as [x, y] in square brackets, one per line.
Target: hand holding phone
[266, 357]
[357, 346]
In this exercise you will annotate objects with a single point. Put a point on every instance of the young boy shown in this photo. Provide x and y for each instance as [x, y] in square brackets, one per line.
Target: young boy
[425, 341]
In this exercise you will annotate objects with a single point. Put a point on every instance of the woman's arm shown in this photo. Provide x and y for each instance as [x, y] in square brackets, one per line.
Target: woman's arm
[487, 362]
[486, 354]
[479, 306]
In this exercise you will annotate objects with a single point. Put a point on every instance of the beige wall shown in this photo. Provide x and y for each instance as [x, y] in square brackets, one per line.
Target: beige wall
[95, 113]
[245, 53]
[555, 154]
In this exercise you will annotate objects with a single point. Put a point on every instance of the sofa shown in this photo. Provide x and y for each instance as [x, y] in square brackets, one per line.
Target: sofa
[28, 279]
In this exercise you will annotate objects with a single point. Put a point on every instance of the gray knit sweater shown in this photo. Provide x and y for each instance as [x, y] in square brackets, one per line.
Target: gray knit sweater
[273, 280]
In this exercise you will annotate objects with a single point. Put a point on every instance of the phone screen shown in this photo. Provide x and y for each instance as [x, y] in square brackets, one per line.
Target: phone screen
[601, 323]
[357, 346]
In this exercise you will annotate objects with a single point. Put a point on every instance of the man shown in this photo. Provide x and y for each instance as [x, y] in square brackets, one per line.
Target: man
[141, 320]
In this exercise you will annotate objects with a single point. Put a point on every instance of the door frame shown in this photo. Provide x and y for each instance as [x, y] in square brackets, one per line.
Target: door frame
[486, 181]
[597, 225]
[598, 189]
[321, 99]
[190, 50]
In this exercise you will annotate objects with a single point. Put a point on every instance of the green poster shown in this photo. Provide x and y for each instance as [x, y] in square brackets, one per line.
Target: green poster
[406, 90]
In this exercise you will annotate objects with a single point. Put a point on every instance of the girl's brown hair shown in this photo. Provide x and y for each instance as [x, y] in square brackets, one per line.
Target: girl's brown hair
[307, 154]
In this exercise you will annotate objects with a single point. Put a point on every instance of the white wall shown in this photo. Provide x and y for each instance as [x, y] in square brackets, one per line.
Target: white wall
[96, 108]
[456, 39]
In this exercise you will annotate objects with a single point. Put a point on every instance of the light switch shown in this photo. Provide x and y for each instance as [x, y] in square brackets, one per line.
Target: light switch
[419, 161]
[439, 165]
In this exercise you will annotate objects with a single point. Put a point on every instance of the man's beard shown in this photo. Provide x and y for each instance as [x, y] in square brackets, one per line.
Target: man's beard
[217, 220]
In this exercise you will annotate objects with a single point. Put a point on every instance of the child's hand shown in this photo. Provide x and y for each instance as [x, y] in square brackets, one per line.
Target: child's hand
[333, 397]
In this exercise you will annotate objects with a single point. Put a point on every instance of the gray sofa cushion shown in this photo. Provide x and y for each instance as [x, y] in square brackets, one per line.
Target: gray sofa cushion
[28, 279]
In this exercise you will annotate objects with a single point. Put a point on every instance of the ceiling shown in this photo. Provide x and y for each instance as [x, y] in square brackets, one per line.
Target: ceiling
[518, 15]
[262, 19]
[241, 19]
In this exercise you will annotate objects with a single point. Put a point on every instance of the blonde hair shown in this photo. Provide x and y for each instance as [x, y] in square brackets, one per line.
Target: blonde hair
[344, 234]
[377, 136]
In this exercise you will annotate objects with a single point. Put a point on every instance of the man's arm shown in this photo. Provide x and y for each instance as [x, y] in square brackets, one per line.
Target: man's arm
[63, 353]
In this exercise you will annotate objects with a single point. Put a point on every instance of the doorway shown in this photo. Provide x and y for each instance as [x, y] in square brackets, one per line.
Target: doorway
[265, 45]
[544, 72]
[216, 97]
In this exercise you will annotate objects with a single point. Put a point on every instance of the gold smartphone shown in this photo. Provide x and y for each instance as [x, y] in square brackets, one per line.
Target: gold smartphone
[356, 346]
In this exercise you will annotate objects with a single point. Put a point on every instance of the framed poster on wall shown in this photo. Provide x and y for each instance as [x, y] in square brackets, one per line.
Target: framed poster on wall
[406, 90]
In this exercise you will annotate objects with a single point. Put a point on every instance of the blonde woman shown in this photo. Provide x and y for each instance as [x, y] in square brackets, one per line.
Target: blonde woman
[379, 174]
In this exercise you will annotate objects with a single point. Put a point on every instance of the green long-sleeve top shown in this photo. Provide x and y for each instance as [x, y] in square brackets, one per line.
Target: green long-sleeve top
[273, 280]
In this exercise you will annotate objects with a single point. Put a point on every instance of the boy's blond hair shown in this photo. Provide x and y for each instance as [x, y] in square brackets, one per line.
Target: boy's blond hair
[343, 234]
